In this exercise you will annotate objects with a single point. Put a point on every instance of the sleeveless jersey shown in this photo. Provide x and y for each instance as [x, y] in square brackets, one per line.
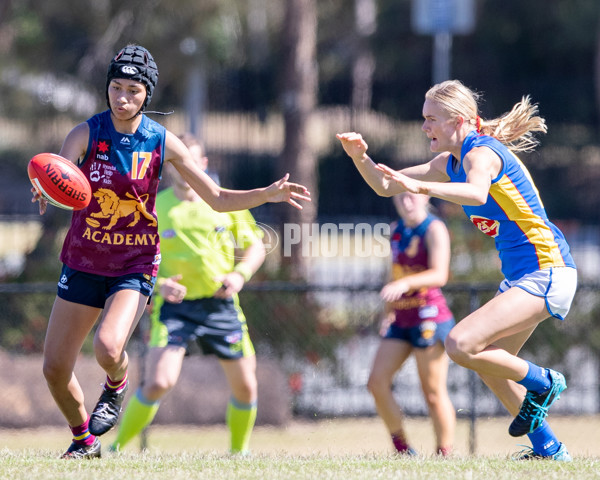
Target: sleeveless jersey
[409, 256]
[514, 215]
[117, 233]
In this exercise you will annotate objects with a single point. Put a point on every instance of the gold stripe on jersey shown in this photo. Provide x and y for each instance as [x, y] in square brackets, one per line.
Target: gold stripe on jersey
[537, 231]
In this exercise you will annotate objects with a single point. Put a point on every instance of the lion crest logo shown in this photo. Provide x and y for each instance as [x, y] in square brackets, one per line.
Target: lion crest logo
[115, 208]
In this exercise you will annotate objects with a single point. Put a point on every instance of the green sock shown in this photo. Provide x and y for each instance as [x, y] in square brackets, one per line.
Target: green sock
[240, 419]
[137, 416]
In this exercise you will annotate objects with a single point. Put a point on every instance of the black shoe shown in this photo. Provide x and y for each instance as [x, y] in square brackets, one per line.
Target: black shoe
[77, 452]
[106, 413]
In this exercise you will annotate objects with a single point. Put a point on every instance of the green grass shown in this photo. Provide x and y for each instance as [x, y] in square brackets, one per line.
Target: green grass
[32, 465]
[350, 448]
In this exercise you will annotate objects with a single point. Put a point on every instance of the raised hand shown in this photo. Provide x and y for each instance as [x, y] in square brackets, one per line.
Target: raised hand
[354, 144]
[284, 191]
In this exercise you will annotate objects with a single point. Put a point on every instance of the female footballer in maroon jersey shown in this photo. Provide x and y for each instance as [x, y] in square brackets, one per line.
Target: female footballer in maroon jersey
[417, 321]
[111, 253]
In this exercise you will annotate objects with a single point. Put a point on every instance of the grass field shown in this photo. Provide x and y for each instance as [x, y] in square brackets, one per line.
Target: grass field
[327, 449]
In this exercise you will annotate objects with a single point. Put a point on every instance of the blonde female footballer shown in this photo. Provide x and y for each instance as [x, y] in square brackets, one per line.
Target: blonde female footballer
[476, 167]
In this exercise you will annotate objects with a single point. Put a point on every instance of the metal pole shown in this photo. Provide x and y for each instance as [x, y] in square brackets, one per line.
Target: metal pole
[144, 329]
[196, 84]
[195, 100]
[442, 46]
[473, 379]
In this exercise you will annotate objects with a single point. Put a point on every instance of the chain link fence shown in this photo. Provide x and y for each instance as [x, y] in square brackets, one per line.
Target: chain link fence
[322, 339]
[328, 357]
[328, 363]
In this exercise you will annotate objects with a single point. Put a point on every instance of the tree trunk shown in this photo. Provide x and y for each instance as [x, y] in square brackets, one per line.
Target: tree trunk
[597, 71]
[364, 60]
[298, 99]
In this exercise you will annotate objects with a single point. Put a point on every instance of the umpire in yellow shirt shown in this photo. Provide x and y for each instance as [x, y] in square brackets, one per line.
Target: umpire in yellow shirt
[207, 257]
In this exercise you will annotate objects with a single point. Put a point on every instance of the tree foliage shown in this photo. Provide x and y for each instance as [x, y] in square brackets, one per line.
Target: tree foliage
[53, 58]
[543, 48]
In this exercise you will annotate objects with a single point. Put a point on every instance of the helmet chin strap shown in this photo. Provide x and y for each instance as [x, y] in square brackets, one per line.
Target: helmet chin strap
[141, 110]
[158, 113]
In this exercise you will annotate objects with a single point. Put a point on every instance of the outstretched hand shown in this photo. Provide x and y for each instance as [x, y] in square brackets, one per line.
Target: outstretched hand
[284, 191]
[354, 144]
[407, 183]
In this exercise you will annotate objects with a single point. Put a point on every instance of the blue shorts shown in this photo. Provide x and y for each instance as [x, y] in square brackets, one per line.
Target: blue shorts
[424, 335]
[93, 290]
[216, 325]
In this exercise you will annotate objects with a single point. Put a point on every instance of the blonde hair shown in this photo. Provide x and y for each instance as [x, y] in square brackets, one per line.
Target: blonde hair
[514, 129]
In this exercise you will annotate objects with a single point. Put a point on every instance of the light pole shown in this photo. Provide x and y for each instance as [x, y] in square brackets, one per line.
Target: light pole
[442, 19]
[196, 97]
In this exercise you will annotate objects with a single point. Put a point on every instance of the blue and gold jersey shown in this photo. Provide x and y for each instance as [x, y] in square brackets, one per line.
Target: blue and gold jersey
[514, 215]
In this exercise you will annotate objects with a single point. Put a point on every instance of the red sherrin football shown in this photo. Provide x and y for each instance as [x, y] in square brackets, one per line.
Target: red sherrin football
[59, 181]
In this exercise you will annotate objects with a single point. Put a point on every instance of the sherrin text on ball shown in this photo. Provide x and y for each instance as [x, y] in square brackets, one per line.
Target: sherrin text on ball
[59, 181]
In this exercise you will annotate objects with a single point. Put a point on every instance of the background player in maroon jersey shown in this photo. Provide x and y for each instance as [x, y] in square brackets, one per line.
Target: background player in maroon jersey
[417, 321]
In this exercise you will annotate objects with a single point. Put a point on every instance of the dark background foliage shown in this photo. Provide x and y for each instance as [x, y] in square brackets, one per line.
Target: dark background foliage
[53, 58]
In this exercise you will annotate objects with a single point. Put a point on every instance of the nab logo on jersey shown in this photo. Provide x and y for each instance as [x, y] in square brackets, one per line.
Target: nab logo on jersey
[486, 225]
[103, 150]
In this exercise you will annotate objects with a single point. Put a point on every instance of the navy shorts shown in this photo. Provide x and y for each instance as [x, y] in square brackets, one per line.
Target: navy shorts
[424, 335]
[216, 325]
[93, 290]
